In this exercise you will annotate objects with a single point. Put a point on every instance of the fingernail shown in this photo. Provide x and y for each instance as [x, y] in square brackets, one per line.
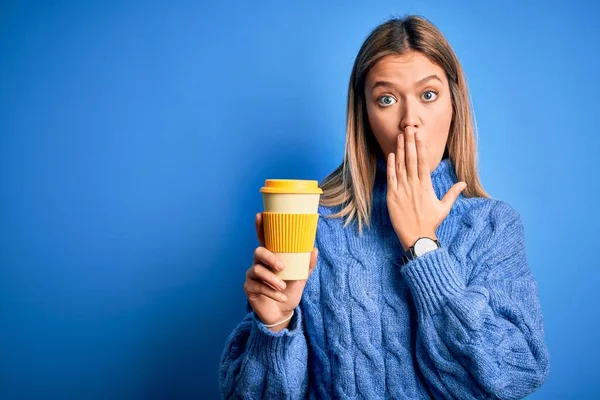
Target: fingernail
[280, 265]
[281, 285]
[283, 298]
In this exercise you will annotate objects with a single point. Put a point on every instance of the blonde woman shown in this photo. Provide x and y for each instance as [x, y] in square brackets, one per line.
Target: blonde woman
[421, 286]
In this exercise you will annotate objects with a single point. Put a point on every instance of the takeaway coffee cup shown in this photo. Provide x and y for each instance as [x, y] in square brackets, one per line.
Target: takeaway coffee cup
[290, 221]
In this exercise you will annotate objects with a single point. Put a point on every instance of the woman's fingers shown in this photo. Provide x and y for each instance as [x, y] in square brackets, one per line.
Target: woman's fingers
[391, 170]
[254, 288]
[410, 152]
[267, 258]
[400, 160]
[422, 163]
[314, 255]
[261, 273]
[260, 233]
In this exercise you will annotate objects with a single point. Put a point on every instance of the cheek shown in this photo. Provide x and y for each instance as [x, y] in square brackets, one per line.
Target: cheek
[385, 135]
[383, 123]
[438, 136]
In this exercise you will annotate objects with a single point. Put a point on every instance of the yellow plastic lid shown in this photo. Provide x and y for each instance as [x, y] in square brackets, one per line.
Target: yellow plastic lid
[291, 186]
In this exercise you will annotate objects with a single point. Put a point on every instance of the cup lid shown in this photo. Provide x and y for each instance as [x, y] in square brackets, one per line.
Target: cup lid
[291, 186]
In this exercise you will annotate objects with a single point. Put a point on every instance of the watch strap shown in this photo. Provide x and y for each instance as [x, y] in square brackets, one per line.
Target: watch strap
[410, 254]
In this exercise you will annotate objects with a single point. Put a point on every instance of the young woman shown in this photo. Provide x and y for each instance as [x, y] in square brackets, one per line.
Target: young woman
[421, 286]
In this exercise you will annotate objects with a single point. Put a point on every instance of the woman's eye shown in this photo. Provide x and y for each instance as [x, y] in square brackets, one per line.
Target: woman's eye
[386, 101]
[433, 95]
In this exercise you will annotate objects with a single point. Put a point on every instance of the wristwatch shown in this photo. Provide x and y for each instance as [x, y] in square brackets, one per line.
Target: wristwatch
[422, 245]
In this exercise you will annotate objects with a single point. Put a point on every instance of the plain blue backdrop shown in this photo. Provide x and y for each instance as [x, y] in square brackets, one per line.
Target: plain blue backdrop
[134, 138]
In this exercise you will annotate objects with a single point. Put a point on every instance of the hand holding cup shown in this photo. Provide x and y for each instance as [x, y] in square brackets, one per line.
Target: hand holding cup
[272, 298]
[286, 232]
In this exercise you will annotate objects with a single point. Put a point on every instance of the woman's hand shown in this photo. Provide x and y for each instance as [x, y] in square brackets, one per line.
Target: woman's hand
[413, 206]
[271, 298]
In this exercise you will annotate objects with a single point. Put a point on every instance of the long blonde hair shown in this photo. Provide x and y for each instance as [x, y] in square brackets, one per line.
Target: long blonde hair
[350, 185]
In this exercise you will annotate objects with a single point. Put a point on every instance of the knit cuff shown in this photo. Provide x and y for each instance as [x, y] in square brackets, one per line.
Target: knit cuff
[432, 279]
[271, 345]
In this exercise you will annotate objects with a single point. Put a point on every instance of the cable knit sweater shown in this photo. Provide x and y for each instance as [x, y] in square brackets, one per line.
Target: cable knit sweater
[462, 321]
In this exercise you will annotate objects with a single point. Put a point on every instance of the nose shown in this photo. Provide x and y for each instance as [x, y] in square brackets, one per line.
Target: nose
[411, 115]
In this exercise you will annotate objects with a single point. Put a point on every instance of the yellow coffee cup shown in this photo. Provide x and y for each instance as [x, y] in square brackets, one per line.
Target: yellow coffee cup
[290, 221]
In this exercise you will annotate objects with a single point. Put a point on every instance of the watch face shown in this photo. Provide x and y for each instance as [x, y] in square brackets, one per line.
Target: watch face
[424, 245]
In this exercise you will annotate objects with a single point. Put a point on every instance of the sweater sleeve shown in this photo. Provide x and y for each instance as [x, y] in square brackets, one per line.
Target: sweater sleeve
[258, 363]
[481, 335]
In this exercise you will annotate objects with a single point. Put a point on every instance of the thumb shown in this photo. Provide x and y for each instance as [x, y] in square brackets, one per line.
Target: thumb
[313, 260]
[260, 230]
[452, 194]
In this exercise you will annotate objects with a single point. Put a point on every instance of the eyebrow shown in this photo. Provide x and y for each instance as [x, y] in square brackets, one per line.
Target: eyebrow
[389, 84]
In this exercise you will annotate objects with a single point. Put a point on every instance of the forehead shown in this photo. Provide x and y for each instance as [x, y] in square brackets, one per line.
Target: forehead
[406, 68]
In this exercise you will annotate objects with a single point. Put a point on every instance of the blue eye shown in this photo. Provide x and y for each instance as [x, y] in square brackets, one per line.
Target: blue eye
[431, 91]
[390, 100]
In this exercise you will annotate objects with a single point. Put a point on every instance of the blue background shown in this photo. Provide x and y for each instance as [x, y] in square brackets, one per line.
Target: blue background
[134, 138]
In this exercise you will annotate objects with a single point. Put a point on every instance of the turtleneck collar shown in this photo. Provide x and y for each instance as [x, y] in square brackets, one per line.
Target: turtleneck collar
[443, 177]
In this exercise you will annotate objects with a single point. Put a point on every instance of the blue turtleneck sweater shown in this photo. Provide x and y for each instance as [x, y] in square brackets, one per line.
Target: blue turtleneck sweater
[462, 321]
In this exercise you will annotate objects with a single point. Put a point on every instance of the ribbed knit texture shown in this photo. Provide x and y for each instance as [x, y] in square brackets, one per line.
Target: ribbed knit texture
[463, 321]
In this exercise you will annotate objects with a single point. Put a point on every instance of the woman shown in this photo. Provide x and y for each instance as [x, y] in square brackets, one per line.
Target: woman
[435, 298]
